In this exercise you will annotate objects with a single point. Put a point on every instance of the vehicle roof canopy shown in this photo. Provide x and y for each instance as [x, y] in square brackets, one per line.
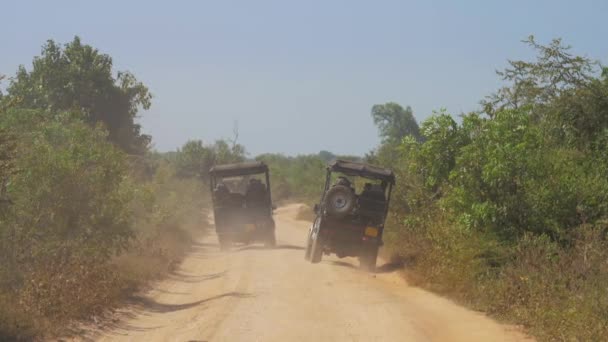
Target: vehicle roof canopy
[239, 169]
[361, 169]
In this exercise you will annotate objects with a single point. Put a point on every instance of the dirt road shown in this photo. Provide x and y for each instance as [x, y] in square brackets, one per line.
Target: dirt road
[254, 294]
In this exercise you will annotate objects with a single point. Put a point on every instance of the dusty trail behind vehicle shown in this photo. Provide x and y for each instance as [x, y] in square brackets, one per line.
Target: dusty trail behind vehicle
[255, 294]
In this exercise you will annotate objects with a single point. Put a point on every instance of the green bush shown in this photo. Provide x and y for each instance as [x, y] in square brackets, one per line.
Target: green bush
[80, 230]
[296, 178]
[83, 224]
[495, 214]
[69, 212]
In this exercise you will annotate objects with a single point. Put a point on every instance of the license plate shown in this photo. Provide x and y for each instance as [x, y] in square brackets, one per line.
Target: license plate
[371, 231]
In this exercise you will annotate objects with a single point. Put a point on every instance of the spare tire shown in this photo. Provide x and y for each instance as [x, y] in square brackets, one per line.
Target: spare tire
[339, 200]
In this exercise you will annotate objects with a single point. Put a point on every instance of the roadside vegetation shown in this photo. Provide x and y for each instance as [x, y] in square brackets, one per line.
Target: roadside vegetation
[299, 178]
[503, 209]
[88, 212]
[506, 209]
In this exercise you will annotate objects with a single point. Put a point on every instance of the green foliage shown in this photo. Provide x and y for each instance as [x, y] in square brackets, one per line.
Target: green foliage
[67, 185]
[327, 156]
[300, 177]
[80, 79]
[507, 210]
[68, 213]
[491, 170]
[394, 122]
[195, 159]
[541, 82]
[579, 117]
[8, 150]
[567, 98]
[82, 223]
[436, 157]
[395, 125]
[78, 231]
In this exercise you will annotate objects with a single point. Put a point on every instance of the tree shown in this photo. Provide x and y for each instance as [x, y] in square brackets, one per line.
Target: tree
[579, 116]
[436, 157]
[195, 159]
[79, 78]
[394, 122]
[67, 187]
[224, 153]
[554, 72]
[563, 91]
[326, 156]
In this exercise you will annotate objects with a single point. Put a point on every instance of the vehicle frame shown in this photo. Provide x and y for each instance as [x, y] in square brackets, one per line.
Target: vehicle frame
[353, 235]
[236, 222]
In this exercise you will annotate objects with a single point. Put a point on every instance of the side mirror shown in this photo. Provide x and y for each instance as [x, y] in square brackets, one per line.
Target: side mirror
[274, 207]
[316, 208]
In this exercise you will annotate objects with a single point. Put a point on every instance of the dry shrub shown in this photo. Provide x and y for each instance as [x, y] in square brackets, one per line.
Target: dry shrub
[72, 281]
[54, 293]
[441, 257]
[558, 292]
[152, 257]
[57, 292]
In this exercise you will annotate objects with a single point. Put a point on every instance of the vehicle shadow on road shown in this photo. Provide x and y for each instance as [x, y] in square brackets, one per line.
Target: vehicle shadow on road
[389, 267]
[190, 278]
[118, 328]
[118, 325]
[254, 247]
[385, 268]
[149, 305]
[343, 264]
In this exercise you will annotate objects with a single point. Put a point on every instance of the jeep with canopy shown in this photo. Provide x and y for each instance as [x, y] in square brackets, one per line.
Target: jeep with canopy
[350, 222]
[242, 203]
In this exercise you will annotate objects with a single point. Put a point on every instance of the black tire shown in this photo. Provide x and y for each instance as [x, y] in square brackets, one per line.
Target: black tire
[340, 201]
[308, 250]
[309, 240]
[316, 249]
[367, 259]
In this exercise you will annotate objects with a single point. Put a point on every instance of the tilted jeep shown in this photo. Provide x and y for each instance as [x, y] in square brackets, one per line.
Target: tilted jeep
[350, 222]
[242, 204]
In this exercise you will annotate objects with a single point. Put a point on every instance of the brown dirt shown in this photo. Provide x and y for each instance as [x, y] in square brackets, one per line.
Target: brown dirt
[255, 294]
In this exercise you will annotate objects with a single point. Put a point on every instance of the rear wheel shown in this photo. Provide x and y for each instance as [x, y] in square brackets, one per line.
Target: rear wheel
[367, 260]
[308, 250]
[316, 249]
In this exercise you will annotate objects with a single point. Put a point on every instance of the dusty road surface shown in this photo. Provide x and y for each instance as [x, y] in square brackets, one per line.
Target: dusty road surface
[254, 294]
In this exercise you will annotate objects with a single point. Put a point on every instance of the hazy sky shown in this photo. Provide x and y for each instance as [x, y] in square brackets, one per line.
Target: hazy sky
[300, 76]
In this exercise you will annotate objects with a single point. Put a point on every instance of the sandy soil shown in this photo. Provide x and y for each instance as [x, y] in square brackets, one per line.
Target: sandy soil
[255, 294]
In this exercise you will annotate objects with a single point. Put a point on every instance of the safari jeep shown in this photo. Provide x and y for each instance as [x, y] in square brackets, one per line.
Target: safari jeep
[350, 222]
[242, 204]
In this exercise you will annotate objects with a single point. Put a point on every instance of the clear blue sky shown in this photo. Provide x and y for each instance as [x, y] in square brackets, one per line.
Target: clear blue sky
[291, 72]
